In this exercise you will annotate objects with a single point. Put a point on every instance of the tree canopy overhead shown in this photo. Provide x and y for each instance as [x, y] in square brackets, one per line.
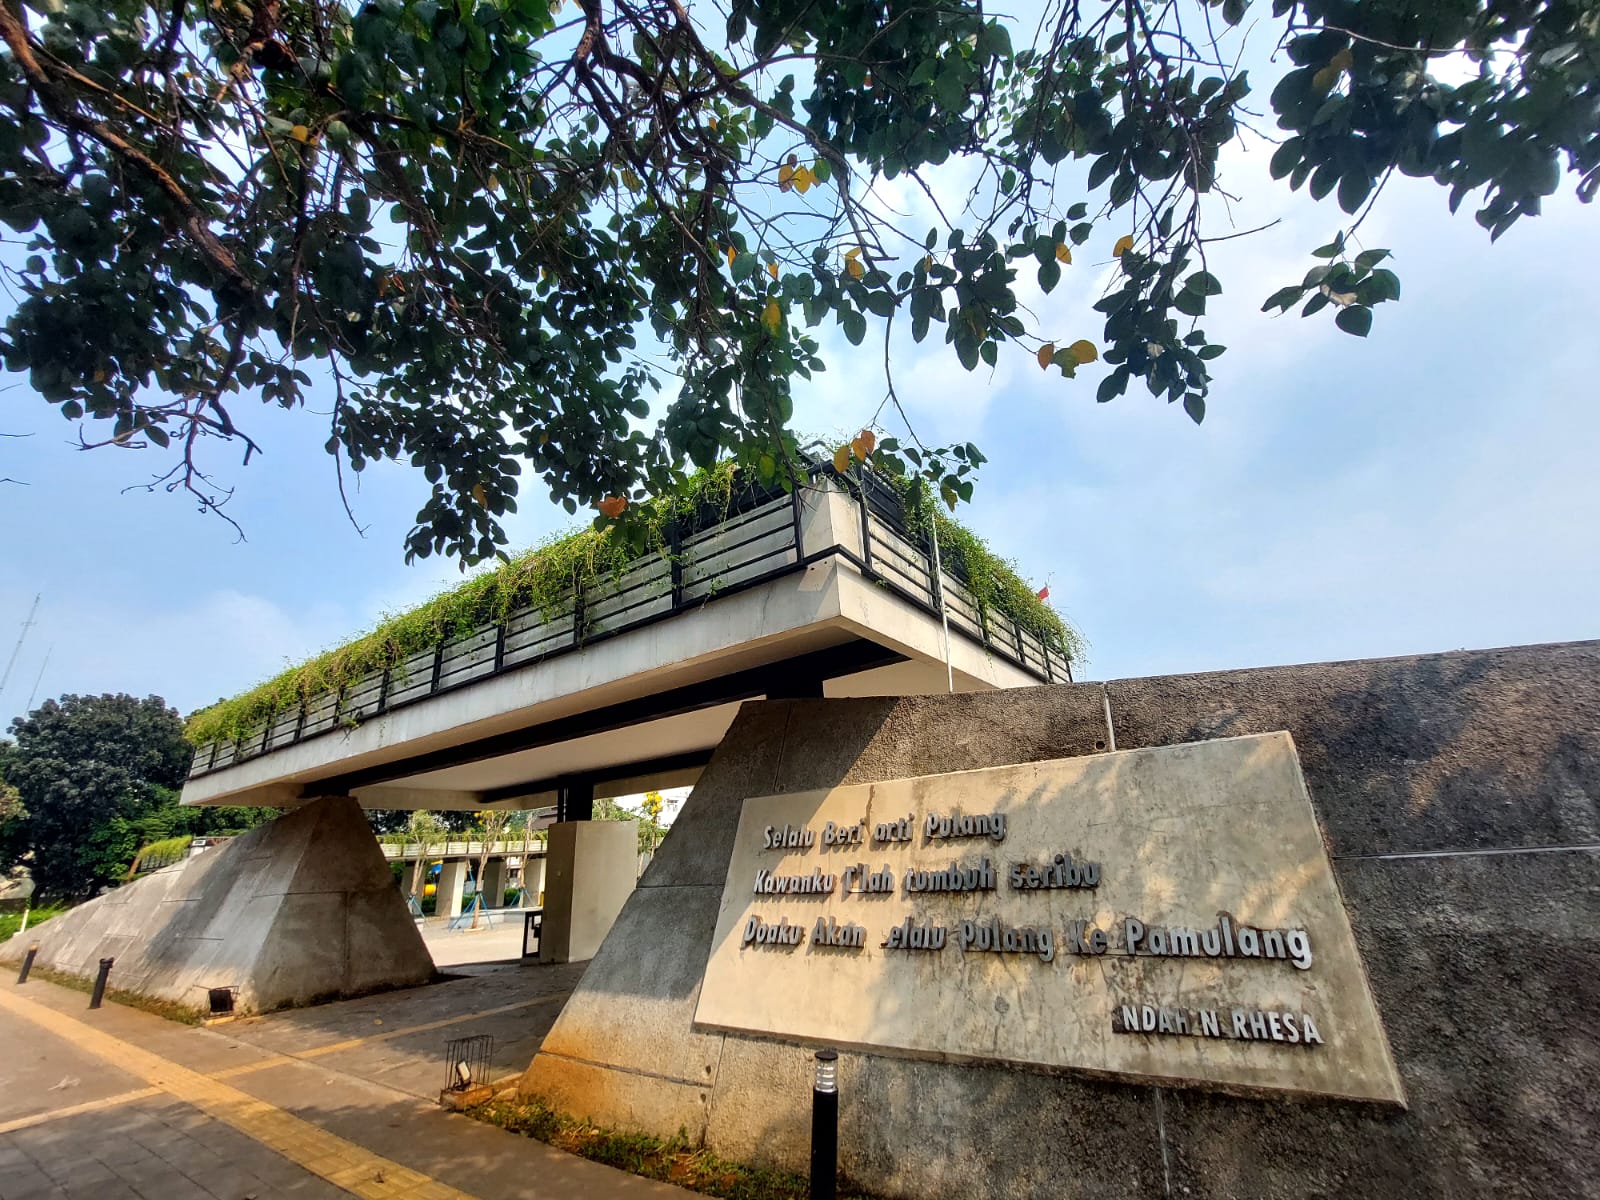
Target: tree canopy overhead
[504, 228]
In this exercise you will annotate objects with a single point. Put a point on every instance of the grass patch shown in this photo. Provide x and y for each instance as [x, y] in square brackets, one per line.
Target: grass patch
[171, 1010]
[673, 1161]
[12, 921]
[160, 854]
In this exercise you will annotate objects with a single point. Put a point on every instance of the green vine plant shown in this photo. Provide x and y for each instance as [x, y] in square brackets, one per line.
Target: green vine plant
[995, 585]
[548, 577]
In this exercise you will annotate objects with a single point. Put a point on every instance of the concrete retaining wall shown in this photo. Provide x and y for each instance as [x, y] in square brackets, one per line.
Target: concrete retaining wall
[1459, 797]
[298, 910]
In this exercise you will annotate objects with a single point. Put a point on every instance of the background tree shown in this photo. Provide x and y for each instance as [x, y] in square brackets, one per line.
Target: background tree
[491, 825]
[98, 777]
[502, 226]
[423, 828]
[13, 818]
[653, 805]
[650, 833]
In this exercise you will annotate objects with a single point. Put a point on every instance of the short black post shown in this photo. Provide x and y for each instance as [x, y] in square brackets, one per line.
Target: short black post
[99, 992]
[825, 1127]
[27, 963]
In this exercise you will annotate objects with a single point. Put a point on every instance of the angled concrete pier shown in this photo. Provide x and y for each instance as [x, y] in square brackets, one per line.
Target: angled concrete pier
[296, 911]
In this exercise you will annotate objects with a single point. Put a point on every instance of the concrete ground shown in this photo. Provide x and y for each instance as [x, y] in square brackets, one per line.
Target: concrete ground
[322, 1102]
[497, 942]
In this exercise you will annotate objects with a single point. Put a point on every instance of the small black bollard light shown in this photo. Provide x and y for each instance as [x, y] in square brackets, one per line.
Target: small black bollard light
[825, 1127]
[99, 992]
[27, 963]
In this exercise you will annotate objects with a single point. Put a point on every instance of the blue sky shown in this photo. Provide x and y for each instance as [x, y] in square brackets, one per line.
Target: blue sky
[1429, 488]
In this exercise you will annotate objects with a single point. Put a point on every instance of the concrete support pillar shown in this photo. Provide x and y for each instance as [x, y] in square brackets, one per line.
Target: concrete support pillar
[493, 885]
[575, 799]
[452, 882]
[592, 867]
[533, 879]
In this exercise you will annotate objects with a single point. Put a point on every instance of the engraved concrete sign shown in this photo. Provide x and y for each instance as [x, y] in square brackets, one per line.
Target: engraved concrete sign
[1166, 915]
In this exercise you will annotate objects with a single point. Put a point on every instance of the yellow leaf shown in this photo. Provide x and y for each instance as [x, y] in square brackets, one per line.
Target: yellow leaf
[1047, 354]
[1124, 244]
[630, 180]
[785, 175]
[300, 133]
[853, 252]
[772, 316]
[480, 495]
[612, 506]
[854, 267]
[732, 254]
[859, 449]
[772, 269]
[803, 179]
[494, 183]
[868, 439]
[1083, 351]
[1344, 60]
[1063, 253]
[711, 122]
[841, 459]
[1325, 78]
[927, 262]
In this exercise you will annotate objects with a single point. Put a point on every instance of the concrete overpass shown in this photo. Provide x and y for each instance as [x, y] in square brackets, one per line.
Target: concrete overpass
[822, 591]
[818, 592]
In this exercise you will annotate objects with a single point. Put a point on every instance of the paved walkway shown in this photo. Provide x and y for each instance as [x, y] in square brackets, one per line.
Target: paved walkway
[323, 1102]
[453, 948]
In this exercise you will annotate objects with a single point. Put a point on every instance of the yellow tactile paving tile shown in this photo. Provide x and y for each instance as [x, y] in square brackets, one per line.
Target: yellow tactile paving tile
[342, 1163]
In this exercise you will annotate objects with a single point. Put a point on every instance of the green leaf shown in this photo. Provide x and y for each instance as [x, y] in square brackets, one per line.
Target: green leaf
[855, 326]
[1195, 405]
[951, 86]
[1356, 319]
[1384, 285]
[1284, 298]
[1285, 157]
[1354, 187]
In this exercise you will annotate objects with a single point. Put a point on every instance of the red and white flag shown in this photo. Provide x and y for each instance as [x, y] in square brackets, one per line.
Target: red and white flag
[1044, 592]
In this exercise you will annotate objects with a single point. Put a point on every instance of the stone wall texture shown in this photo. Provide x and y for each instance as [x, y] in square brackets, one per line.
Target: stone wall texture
[297, 911]
[1459, 798]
